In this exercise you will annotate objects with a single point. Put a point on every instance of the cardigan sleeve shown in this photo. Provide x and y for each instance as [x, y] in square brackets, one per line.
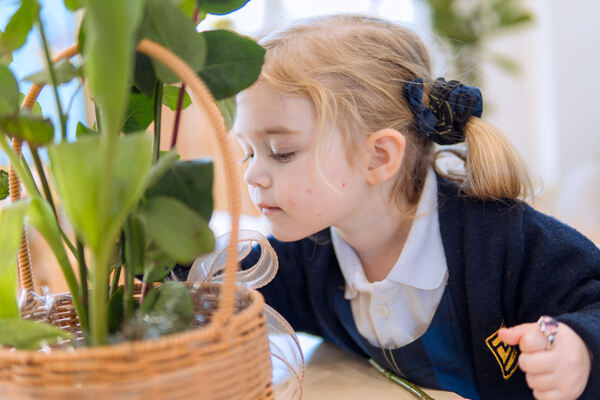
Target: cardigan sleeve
[561, 278]
[288, 292]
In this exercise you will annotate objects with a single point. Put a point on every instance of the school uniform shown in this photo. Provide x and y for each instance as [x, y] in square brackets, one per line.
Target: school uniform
[506, 264]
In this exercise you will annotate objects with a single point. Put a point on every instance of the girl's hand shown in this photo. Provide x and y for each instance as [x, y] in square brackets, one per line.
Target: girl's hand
[560, 372]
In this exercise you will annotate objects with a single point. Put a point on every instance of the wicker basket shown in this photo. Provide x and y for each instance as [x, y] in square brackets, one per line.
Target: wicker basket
[227, 358]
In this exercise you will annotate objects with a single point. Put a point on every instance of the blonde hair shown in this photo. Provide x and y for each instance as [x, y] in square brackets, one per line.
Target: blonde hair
[353, 68]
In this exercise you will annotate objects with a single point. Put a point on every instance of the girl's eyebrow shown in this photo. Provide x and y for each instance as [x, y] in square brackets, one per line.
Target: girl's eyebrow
[277, 130]
[273, 130]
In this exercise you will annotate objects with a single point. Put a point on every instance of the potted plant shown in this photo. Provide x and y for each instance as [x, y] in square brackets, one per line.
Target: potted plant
[135, 211]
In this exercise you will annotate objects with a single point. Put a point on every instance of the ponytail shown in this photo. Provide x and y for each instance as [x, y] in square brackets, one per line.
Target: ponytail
[494, 170]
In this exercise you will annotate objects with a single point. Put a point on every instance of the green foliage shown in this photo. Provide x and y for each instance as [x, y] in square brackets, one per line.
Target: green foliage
[29, 335]
[11, 230]
[37, 131]
[132, 208]
[79, 165]
[166, 309]
[140, 113]
[111, 27]
[189, 182]
[9, 92]
[220, 7]
[228, 108]
[171, 95]
[233, 63]
[82, 131]
[18, 27]
[166, 24]
[64, 72]
[3, 184]
[180, 232]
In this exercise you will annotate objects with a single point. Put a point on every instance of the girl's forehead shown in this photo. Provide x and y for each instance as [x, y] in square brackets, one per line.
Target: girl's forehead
[263, 107]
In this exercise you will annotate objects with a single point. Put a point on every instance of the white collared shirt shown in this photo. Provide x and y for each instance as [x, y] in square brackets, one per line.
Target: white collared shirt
[396, 311]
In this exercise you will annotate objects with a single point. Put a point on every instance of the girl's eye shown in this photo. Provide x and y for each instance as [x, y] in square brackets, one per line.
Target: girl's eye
[282, 157]
[247, 157]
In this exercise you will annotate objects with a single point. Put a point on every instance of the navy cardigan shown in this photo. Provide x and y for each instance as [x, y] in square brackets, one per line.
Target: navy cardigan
[508, 264]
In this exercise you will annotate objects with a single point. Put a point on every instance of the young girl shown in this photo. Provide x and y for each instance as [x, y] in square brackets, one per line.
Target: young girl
[386, 256]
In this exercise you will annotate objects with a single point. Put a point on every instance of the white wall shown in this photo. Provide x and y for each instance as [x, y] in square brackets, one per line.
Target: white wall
[549, 112]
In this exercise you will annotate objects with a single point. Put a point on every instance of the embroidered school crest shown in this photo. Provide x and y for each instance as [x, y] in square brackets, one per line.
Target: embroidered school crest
[506, 355]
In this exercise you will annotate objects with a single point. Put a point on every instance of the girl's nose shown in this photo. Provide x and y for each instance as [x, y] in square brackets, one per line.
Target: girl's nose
[257, 175]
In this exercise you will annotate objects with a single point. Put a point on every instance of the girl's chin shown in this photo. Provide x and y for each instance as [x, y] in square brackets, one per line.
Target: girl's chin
[289, 235]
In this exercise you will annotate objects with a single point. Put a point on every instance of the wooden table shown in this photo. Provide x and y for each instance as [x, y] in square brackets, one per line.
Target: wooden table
[332, 374]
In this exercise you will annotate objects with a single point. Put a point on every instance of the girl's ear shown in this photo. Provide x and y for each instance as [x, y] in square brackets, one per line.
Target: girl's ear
[385, 151]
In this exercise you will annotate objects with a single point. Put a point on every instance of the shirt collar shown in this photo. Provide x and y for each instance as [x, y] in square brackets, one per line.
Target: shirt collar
[422, 263]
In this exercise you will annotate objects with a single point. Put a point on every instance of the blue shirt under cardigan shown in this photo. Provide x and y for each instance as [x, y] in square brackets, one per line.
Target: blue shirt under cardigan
[508, 264]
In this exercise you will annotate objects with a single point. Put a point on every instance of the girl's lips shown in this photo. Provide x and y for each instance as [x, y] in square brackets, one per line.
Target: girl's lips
[267, 209]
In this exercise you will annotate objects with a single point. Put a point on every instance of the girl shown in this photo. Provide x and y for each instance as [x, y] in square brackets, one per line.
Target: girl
[387, 256]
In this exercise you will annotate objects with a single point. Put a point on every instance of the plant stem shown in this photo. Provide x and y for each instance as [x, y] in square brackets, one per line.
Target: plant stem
[177, 116]
[42, 175]
[61, 115]
[46, 187]
[129, 270]
[98, 297]
[115, 280]
[158, 94]
[406, 385]
[97, 114]
[180, 99]
[83, 273]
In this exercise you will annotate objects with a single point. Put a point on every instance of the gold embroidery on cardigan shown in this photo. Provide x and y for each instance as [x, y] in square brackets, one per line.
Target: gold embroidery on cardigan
[506, 355]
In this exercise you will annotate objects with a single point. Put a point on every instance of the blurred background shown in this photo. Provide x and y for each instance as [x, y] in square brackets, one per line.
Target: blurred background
[535, 60]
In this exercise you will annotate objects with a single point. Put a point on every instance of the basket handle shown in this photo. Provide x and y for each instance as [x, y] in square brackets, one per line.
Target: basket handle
[204, 97]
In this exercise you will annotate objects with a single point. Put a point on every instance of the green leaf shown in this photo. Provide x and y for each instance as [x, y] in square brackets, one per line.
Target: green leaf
[140, 113]
[220, 7]
[171, 96]
[176, 229]
[135, 243]
[41, 216]
[77, 168]
[143, 75]
[4, 192]
[5, 57]
[157, 264]
[9, 92]
[11, 232]
[173, 309]
[115, 310]
[158, 169]
[64, 72]
[18, 27]
[233, 63]
[187, 6]
[74, 5]
[36, 109]
[35, 130]
[82, 131]
[189, 182]
[166, 24]
[228, 108]
[110, 33]
[29, 335]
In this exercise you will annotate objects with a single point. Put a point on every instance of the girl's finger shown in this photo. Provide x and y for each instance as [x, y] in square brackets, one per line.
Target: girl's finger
[548, 395]
[533, 340]
[541, 362]
[541, 381]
